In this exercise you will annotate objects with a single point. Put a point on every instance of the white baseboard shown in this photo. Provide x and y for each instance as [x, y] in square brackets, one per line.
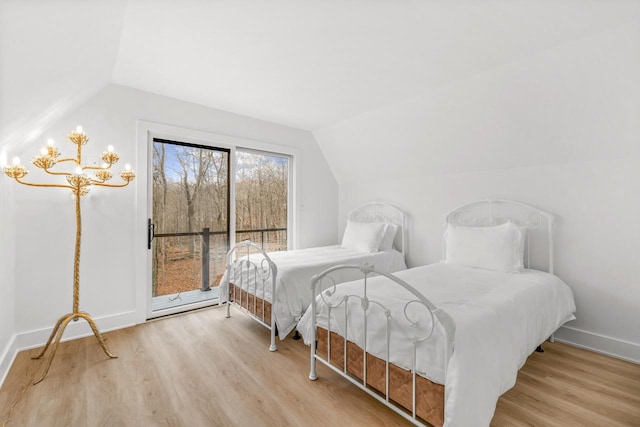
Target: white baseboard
[599, 343]
[7, 357]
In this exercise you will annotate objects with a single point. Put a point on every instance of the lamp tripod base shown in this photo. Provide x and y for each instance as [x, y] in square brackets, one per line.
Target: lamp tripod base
[56, 335]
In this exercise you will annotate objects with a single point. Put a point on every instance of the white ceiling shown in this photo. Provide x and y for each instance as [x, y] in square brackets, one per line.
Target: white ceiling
[303, 63]
[54, 55]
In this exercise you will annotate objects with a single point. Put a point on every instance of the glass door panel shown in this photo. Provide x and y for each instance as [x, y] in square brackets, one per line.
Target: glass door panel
[190, 224]
[262, 198]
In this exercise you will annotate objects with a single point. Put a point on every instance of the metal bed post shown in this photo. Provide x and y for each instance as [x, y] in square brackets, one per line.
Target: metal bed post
[274, 274]
[312, 369]
[229, 259]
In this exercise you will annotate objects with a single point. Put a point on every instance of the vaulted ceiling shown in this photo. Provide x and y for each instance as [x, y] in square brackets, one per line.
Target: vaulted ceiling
[304, 63]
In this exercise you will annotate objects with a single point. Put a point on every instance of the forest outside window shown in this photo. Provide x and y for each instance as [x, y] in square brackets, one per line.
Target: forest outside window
[194, 196]
[262, 198]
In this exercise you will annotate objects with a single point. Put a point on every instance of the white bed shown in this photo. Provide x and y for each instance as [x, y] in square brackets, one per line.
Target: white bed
[373, 233]
[467, 328]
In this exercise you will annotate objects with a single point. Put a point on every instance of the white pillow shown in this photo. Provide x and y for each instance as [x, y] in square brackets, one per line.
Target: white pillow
[389, 236]
[499, 248]
[363, 236]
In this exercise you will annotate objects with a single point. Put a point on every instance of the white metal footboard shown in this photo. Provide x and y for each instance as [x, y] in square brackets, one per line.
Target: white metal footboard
[251, 270]
[411, 330]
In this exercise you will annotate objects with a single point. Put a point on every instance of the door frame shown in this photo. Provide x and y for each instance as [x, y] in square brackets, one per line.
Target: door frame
[145, 133]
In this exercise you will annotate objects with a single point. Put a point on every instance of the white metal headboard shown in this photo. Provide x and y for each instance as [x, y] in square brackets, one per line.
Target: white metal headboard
[382, 212]
[496, 211]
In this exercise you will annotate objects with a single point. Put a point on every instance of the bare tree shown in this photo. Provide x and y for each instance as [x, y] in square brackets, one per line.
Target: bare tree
[191, 188]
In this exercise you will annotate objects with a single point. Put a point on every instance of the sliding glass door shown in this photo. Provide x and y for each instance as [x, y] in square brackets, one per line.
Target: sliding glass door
[189, 229]
[194, 218]
[262, 185]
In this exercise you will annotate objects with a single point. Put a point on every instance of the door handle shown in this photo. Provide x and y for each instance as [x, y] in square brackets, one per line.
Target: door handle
[151, 228]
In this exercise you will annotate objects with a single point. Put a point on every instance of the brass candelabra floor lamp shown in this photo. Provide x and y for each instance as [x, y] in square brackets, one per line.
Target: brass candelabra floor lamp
[79, 182]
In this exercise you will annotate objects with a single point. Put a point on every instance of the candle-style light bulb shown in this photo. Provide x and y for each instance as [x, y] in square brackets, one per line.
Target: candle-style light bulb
[110, 148]
[44, 151]
[15, 161]
[104, 166]
[50, 142]
[79, 129]
[79, 170]
[128, 174]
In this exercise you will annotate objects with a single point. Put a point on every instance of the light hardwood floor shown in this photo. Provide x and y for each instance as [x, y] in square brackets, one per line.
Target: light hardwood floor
[200, 369]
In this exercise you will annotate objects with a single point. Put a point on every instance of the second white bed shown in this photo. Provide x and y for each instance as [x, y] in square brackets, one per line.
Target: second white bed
[274, 288]
[296, 267]
[500, 318]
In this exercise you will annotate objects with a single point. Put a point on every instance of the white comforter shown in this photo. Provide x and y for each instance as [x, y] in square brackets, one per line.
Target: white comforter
[500, 319]
[295, 270]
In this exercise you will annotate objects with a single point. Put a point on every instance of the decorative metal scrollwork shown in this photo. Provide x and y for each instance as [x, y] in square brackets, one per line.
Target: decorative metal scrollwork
[329, 290]
[377, 212]
[535, 220]
[461, 217]
[414, 323]
[366, 269]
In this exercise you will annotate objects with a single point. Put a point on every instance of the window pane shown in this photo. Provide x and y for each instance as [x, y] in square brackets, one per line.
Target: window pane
[262, 186]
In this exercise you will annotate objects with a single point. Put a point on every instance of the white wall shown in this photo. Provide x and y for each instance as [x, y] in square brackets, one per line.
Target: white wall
[45, 227]
[559, 130]
[54, 56]
[7, 275]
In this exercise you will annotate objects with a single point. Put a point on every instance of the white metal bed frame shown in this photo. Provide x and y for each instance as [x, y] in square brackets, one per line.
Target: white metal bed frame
[268, 271]
[540, 224]
[414, 335]
[239, 267]
[476, 214]
[383, 212]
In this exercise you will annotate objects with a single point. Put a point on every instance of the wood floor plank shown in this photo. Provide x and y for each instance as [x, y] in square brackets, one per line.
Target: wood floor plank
[201, 369]
[570, 386]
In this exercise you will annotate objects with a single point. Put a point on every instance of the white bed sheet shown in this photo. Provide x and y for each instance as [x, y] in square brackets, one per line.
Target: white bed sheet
[295, 270]
[500, 319]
